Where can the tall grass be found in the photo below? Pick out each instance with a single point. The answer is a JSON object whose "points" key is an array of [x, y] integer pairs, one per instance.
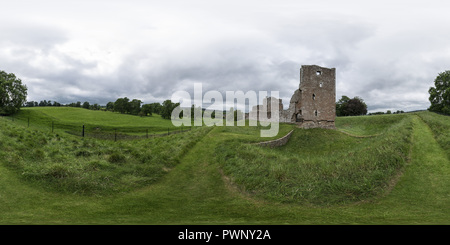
{"points": [[87, 166], [320, 167]]}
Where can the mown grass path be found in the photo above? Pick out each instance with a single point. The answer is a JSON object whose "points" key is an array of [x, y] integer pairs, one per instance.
{"points": [[423, 192]]}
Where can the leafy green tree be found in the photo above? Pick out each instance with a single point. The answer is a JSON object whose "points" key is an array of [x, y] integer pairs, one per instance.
{"points": [[340, 105], [13, 93], [121, 105], [440, 94], [356, 107], [351, 107], [156, 108], [110, 106], [134, 106], [30, 104], [146, 110], [167, 108], [94, 107], [86, 105]]}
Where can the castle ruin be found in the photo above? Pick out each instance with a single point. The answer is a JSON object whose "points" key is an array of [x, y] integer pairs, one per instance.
{"points": [[313, 105]]}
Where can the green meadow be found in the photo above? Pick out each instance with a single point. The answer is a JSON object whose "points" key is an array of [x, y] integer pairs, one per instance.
{"points": [[385, 169], [71, 119]]}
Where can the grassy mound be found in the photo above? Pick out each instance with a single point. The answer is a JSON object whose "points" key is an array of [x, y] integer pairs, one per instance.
{"points": [[322, 167]]}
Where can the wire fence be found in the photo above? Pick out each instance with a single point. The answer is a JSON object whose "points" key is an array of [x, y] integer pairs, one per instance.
{"points": [[100, 132], [117, 134]]}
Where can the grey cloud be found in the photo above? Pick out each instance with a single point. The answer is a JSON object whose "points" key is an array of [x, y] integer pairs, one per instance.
{"points": [[33, 35], [251, 46]]}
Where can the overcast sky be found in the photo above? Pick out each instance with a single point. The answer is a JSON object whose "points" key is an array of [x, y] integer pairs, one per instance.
{"points": [[386, 52]]}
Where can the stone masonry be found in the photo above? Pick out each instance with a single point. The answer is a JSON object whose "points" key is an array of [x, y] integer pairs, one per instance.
{"points": [[313, 105]]}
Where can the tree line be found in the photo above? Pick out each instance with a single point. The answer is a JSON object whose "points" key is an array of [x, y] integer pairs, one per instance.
{"points": [[136, 107]]}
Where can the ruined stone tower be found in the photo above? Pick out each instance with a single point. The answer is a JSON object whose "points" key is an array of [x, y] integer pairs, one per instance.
{"points": [[314, 103]]}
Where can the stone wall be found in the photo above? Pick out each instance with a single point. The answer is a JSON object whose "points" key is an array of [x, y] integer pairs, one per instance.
{"points": [[278, 142]]}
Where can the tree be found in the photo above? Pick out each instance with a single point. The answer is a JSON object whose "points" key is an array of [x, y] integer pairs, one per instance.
{"points": [[134, 106], [110, 106], [356, 107], [86, 105], [30, 104], [156, 107], [167, 108], [440, 94], [340, 105], [13, 93], [351, 107], [121, 105], [94, 107], [146, 110]]}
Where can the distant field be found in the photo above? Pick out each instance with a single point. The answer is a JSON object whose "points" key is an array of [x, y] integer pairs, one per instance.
{"points": [[385, 169], [72, 119]]}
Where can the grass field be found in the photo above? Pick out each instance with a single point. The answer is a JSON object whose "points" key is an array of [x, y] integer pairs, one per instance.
{"points": [[72, 119], [390, 169]]}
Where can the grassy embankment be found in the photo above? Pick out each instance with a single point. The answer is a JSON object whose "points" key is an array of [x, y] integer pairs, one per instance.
{"points": [[398, 175], [323, 167]]}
